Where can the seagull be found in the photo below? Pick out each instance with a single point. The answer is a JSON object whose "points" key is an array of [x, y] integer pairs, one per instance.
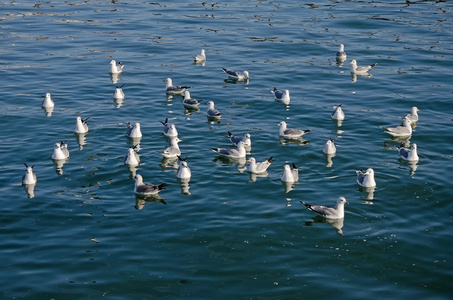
{"points": [[60, 151], [47, 102], [236, 139], [408, 154], [237, 75], [173, 149], [81, 125], [291, 133], [183, 171], [258, 168], [232, 153], [29, 177], [413, 116], [200, 57], [132, 158], [290, 175], [169, 129], [146, 188], [118, 94], [337, 113], [175, 89], [116, 69], [134, 131], [366, 179], [212, 111], [404, 130], [190, 102], [341, 55], [360, 70], [329, 212], [281, 96], [329, 147]]}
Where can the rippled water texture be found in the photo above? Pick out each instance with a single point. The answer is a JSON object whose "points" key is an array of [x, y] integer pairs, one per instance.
{"points": [[81, 233]]}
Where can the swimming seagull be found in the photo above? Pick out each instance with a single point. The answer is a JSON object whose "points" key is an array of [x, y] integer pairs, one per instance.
{"points": [[134, 131], [329, 212], [118, 94], [173, 150], [329, 147], [175, 89], [258, 168], [281, 96], [183, 171], [359, 70], [337, 113], [366, 179], [29, 177], [145, 188], [47, 102], [200, 57], [60, 151], [114, 68], [413, 116], [189, 102], [290, 175], [408, 154], [289, 132], [169, 129], [404, 130], [236, 139], [237, 75], [232, 153], [341, 55], [132, 158], [212, 111], [81, 125]]}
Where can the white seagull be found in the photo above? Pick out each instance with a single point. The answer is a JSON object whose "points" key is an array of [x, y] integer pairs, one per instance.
{"points": [[236, 139], [29, 177], [404, 130], [329, 212], [359, 70], [175, 89], [81, 125], [183, 171], [232, 153], [114, 68], [237, 75], [134, 131], [413, 116], [118, 94], [200, 57], [290, 175], [341, 55], [47, 102], [329, 147], [337, 113], [212, 111], [60, 151], [289, 132], [169, 129], [146, 188], [173, 150], [258, 168], [189, 102], [408, 154], [281, 96], [132, 158], [366, 179]]}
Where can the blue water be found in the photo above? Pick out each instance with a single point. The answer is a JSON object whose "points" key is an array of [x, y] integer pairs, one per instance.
{"points": [[82, 233]]}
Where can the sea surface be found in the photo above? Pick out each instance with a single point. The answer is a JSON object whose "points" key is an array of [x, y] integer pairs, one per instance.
{"points": [[81, 233]]}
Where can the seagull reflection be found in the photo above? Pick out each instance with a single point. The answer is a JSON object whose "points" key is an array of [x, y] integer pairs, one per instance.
{"points": [[59, 165], [329, 161], [338, 122], [235, 81], [81, 139], [289, 186], [115, 77], [369, 193], [140, 200], [48, 111], [401, 141], [254, 176], [298, 141], [30, 189], [231, 161], [184, 184], [336, 223], [132, 171], [118, 102], [411, 164], [171, 162]]}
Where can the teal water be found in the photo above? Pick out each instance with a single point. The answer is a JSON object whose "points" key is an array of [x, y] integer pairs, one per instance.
{"points": [[84, 235]]}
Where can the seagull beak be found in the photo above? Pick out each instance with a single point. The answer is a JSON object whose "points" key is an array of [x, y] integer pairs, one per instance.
{"points": [[347, 202]]}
